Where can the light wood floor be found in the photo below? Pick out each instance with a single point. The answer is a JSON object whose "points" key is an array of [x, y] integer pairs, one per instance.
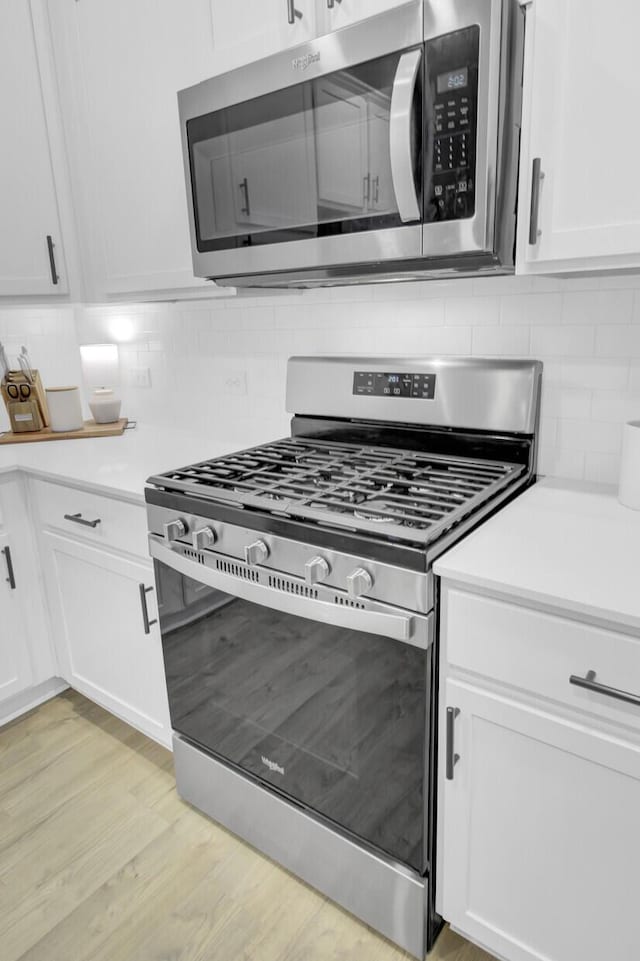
{"points": [[100, 860]]}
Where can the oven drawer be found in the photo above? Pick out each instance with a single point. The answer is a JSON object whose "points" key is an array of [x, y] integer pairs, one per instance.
{"points": [[120, 525], [539, 653]]}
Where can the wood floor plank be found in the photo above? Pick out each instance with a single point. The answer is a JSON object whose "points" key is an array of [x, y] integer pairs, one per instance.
{"points": [[100, 860]]}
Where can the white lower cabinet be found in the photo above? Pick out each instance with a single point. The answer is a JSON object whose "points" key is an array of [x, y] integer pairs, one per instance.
{"points": [[15, 665], [27, 665], [105, 648], [538, 834]]}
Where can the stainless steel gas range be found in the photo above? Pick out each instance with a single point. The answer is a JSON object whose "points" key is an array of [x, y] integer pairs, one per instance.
{"points": [[299, 615]]}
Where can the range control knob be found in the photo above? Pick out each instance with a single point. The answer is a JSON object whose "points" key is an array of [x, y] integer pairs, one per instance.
{"points": [[316, 570], [359, 582], [175, 529], [204, 537], [256, 553]]}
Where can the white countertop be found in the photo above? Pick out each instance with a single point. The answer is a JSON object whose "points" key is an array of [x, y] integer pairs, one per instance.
{"points": [[561, 544], [118, 466]]}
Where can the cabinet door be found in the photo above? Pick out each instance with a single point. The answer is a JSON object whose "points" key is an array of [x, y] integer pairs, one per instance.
{"points": [[381, 197], [333, 14], [540, 836], [582, 89], [103, 650], [15, 664], [121, 65], [273, 172], [247, 31], [28, 206], [344, 180]]}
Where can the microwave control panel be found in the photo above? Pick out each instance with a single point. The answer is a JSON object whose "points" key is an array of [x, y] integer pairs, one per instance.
{"points": [[451, 115]]}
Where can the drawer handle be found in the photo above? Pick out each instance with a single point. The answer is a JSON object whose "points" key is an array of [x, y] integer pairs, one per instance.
{"points": [[590, 684], [79, 519], [145, 610], [11, 579], [452, 757]]}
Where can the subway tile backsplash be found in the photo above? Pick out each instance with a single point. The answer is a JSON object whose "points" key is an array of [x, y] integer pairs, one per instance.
{"points": [[218, 366]]}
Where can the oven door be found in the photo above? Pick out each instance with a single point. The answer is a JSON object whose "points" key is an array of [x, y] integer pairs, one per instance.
{"points": [[333, 717], [312, 157]]}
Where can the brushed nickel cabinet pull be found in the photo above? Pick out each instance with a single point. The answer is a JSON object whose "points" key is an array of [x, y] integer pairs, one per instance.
{"points": [[537, 177], [11, 579], [292, 13], [589, 683], [52, 260], [244, 187], [366, 190], [79, 519], [452, 757], [145, 610], [331, 3]]}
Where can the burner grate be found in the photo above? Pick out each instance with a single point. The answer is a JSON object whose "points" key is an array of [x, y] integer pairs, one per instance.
{"points": [[401, 494]]}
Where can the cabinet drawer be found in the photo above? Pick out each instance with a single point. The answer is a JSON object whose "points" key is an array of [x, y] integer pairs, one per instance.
{"points": [[538, 653], [120, 525]]}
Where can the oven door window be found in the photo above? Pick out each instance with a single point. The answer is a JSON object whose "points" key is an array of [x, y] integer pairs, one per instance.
{"points": [[331, 718], [311, 160]]}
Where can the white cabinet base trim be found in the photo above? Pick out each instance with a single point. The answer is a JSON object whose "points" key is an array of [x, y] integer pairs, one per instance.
{"points": [[25, 701]]}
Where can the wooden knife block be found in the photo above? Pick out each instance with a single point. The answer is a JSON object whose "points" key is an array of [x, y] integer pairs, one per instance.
{"points": [[26, 415]]}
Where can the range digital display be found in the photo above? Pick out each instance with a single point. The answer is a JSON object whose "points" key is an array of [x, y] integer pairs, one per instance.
{"points": [[452, 80], [373, 384]]}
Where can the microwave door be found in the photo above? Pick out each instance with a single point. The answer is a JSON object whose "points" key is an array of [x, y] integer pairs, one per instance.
{"points": [[320, 174]]}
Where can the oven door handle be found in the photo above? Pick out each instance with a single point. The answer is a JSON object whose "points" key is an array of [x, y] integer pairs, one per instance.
{"points": [[396, 626], [400, 120]]}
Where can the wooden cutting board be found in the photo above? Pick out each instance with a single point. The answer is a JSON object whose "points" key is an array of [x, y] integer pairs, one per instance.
{"points": [[90, 429]]}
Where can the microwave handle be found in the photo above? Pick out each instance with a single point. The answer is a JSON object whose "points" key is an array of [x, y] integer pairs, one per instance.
{"points": [[396, 626], [402, 174]]}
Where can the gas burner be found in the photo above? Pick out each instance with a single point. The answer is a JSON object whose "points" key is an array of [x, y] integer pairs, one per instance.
{"points": [[415, 496]]}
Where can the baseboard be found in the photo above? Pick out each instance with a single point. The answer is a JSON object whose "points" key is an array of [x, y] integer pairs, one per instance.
{"points": [[25, 701]]}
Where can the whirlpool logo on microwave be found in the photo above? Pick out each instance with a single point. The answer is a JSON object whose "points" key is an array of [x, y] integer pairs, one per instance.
{"points": [[301, 63], [272, 765]]}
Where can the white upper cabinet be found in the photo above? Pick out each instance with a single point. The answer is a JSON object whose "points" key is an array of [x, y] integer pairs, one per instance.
{"points": [[252, 29], [582, 90], [120, 65], [334, 14], [29, 218]]}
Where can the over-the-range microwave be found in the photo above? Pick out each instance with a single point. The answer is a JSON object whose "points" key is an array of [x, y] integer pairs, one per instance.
{"points": [[386, 150]]}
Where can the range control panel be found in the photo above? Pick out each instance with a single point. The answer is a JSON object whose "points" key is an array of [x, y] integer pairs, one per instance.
{"points": [[373, 384], [452, 64]]}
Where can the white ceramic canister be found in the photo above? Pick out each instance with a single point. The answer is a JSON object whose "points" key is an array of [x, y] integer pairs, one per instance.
{"points": [[65, 409], [629, 488], [105, 406]]}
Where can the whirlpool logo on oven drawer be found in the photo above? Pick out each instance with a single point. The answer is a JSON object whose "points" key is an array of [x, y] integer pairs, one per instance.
{"points": [[301, 63], [272, 765]]}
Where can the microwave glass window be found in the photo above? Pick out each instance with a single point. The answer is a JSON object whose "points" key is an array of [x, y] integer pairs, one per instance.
{"points": [[311, 160], [451, 105]]}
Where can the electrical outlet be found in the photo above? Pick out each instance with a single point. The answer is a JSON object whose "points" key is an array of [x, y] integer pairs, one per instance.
{"points": [[139, 377], [235, 383]]}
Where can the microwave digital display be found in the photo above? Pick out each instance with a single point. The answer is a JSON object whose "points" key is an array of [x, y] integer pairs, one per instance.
{"points": [[452, 80]]}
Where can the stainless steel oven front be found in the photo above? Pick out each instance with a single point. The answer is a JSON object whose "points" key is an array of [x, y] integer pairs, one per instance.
{"points": [[389, 147], [317, 697]]}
